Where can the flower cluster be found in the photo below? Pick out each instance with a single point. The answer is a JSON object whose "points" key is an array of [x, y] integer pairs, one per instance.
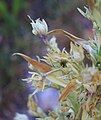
{"points": [[78, 84]]}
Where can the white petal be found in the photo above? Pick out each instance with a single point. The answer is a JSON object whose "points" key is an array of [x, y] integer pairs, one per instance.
{"points": [[34, 32], [45, 24], [39, 27]]}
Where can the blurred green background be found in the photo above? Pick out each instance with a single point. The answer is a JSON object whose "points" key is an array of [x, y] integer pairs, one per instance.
{"points": [[16, 36]]}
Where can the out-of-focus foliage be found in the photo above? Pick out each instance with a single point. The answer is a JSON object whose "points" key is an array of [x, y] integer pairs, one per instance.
{"points": [[10, 35], [9, 29], [78, 84], [10, 15]]}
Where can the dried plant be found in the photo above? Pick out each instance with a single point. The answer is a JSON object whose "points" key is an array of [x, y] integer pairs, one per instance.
{"points": [[78, 84]]}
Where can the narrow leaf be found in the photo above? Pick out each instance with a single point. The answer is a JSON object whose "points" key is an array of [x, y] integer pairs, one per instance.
{"points": [[44, 68], [69, 88], [41, 67]]}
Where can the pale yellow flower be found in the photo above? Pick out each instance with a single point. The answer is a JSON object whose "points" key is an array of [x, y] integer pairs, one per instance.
{"points": [[39, 27]]}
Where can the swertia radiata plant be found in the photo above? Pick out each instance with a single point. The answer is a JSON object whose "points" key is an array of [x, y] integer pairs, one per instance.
{"points": [[79, 85]]}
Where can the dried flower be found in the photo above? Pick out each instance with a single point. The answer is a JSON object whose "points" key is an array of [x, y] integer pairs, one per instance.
{"points": [[93, 12], [39, 27], [52, 45], [77, 52]]}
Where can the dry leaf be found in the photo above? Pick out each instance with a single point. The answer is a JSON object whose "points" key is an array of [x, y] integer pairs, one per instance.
{"points": [[41, 67], [79, 41], [67, 34], [44, 68], [69, 88]]}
